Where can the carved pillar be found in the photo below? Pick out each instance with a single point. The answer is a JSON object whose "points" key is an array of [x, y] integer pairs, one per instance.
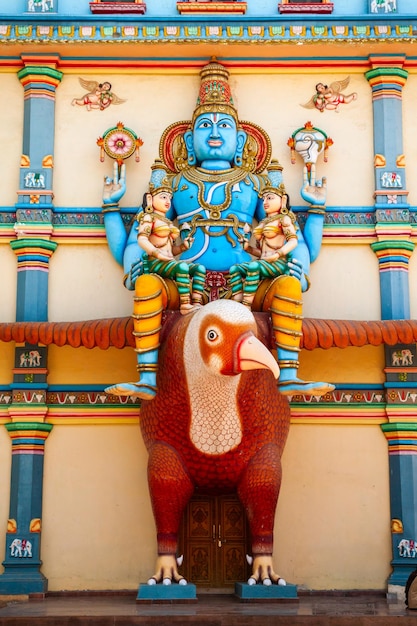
{"points": [[33, 227], [28, 432], [22, 562], [33, 254], [393, 250], [33, 248]]}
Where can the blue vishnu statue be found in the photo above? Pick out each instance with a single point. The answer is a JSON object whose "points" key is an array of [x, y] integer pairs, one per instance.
{"points": [[217, 169]]}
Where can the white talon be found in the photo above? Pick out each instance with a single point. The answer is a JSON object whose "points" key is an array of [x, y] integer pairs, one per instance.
{"points": [[182, 581], [166, 581], [249, 559], [282, 582], [152, 581], [267, 582], [251, 581], [180, 560]]}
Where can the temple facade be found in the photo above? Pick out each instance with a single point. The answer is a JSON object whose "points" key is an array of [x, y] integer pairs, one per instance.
{"points": [[83, 81]]}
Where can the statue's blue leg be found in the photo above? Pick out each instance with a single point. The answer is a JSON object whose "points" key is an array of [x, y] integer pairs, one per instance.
{"points": [[289, 384], [147, 318], [287, 319]]}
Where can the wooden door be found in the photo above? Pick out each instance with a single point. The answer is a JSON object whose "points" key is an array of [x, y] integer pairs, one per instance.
{"points": [[214, 541]]}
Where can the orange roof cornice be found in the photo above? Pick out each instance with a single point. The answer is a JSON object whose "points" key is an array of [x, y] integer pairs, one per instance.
{"points": [[117, 332]]}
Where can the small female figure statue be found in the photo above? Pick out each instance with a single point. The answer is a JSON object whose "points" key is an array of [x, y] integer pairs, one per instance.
{"points": [[276, 237], [156, 236]]}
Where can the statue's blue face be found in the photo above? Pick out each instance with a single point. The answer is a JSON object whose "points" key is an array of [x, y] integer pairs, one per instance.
{"points": [[215, 137]]}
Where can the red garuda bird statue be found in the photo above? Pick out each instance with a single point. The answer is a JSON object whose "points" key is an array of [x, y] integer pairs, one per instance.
{"points": [[217, 424]]}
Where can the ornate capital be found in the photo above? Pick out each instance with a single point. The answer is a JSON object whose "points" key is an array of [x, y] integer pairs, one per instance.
{"points": [[393, 254], [33, 253], [401, 437], [387, 81], [28, 437]]}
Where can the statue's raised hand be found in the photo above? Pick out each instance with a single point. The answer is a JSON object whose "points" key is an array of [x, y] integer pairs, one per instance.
{"points": [[188, 242], [136, 269], [312, 191], [295, 268], [114, 188]]}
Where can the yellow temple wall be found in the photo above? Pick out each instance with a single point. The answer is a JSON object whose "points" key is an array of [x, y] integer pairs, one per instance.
{"points": [[410, 124], [333, 511], [5, 471], [273, 101], [78, 172], [8, 264], [412, 272], [85, 282], [11, 134], [98, 528]]}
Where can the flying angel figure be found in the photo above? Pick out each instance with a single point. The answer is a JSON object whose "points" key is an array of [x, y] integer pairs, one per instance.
{"points": [[329, 96], [99, 95]]}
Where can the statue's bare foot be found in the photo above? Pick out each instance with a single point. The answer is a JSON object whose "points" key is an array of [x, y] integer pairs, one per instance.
{"points": [[304, 387], [263, 571], [189, 308], [167, 571], [140, 390]]}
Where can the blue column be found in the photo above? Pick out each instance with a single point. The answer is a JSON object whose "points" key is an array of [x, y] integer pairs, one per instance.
{"points": [[33, 227], [22, 562], [402, 445], [393, 249], [33, 247]]}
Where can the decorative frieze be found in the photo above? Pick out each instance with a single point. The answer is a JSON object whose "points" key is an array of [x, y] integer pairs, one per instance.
{"points": [[282, 31]]}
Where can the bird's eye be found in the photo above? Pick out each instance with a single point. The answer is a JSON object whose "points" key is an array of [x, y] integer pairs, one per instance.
{"points": [[212, 335]]}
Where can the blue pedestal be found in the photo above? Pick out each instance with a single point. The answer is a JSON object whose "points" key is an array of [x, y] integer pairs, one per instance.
{"points": [[271, 593], [167, 593], [22, 581]]}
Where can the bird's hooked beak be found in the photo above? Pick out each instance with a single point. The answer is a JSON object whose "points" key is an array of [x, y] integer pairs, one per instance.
{"points": [[251, 354]]}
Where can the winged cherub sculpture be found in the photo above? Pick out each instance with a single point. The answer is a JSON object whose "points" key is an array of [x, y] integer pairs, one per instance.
{"points": [[329, 97], [98, 96]]}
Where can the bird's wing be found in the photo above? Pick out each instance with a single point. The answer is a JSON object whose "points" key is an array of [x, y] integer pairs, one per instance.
{"points": [[338, 85], [311, 104], [116, 100], [89, 85]]}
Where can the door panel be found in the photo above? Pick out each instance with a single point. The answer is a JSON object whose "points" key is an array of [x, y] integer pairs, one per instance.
{"points": [[214, 540], [232, 531], [199, 546]]}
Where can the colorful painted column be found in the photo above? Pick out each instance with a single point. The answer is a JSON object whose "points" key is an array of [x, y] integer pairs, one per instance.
{"points": [[393, 249], [33, 247], [28, 432], [33, 227]]}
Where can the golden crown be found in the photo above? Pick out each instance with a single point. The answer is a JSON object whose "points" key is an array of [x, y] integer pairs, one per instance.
{"points": [[215, 95]]}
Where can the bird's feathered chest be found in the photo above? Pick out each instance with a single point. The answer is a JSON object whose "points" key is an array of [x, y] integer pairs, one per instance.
{"points": [[215, 425], [200, 414]]}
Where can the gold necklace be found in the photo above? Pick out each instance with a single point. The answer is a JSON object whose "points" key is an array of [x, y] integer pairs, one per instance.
{"points": [[230, 177]]}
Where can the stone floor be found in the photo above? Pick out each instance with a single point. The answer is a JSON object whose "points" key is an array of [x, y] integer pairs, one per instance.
{"points": [[367, 609]]}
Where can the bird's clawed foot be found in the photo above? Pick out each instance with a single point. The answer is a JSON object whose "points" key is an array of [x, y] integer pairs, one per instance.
{"points": [[167, 571], [263, 571]]}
